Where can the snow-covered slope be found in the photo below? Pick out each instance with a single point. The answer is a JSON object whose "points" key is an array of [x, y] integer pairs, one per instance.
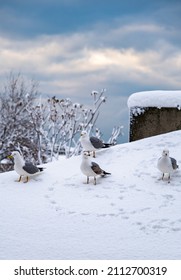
{"points": [[128, 215]]}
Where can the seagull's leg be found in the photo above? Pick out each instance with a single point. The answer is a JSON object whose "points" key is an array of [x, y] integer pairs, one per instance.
{"points": [[27, 179], [87, 180], [163, 176], [169, 178], [19, 179], [94, 154], [94, 180]]}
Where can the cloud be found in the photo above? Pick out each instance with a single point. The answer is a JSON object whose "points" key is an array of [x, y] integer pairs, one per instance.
{"points": [[70, 61]]}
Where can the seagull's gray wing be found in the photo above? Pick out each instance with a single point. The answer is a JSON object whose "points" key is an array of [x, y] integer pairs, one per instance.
{"points": [[96, 142], [174, 163], [96, 168], [30, 168]]}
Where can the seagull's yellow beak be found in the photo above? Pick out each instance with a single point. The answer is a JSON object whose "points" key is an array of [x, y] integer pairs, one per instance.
{"points": [[10, 156]]}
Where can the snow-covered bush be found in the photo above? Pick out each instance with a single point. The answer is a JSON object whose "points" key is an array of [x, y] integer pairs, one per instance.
{"points": [[65, 120], [17, 99], [42, 129]]}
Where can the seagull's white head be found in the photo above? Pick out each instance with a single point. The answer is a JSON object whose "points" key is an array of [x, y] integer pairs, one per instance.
{"points": [[18, 158], [85, 155], [165, 153], [83, 134], [15, 154]]}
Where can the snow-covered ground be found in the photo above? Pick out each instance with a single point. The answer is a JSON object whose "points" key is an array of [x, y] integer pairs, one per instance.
{"points": [[128, 215]]}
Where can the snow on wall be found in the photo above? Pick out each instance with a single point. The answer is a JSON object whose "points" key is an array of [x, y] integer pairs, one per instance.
{"points": [[157, 98]]}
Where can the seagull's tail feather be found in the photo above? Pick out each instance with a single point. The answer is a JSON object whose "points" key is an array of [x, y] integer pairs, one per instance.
{"points": [[41, 169], [104, 173], [174, 163], [107, 145]]}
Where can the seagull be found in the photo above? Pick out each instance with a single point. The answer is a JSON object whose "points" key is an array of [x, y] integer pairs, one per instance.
{"points": [[23, 168], [92, 144], [167, 164], [91, 169]]}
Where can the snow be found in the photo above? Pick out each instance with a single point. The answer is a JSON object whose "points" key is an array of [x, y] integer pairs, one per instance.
{"points": [[131, 214], [157, 98]]}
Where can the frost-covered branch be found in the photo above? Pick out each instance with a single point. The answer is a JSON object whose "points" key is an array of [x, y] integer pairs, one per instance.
{"points": [[45, 128]]}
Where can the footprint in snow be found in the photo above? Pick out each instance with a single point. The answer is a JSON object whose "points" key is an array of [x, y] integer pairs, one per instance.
{"points": [[122, 191], [113, 215], [132, 186], [101, 215], [112, 204], [145, 209], [137, 175], [169, 197], [53, 202], [138, 223], [71, 212], [125, 217], [176, 229], [139, 190], [85, 214], [57, 208]]}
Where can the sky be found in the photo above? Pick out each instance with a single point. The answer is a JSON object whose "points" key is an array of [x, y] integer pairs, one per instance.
{"points": [[72, 47]]}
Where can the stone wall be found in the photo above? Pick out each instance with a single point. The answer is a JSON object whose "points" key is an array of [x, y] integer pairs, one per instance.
{"points": [[150, 121]]}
